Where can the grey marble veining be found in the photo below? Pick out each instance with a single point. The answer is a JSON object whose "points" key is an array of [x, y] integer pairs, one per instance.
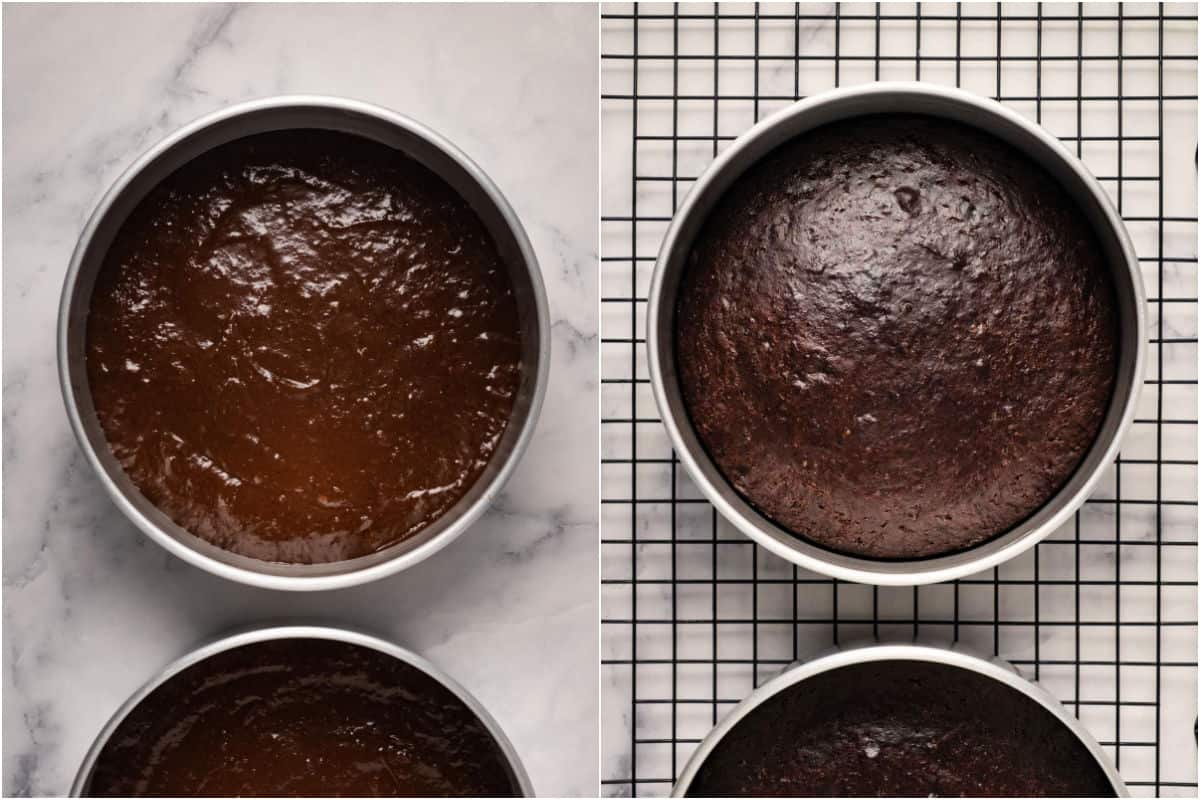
{"points": [[92, 608]]}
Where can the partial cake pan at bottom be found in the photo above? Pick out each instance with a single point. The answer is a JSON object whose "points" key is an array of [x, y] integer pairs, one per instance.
{"points": [[880, 720]]}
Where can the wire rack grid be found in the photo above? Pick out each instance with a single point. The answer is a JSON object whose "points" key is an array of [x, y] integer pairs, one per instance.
{"points": [[1103, 613]]}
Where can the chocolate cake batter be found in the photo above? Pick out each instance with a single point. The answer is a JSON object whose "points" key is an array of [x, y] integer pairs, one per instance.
{"points": [[301, 718], [897, 336], [303, 346], [900, 728]]}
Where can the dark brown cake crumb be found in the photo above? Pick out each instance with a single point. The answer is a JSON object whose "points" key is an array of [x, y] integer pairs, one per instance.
{"points": [[897, 336]]}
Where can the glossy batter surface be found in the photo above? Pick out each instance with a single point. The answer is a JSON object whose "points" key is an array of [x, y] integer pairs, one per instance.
{"points": [[303, 346], [901, 729], [896, 336], [301, 718]]}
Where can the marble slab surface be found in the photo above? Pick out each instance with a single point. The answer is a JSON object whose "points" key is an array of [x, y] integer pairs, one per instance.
{"points": [[91, 607]]}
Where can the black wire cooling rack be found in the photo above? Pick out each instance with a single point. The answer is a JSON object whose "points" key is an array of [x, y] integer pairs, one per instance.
{"points": [[1103, 613]]}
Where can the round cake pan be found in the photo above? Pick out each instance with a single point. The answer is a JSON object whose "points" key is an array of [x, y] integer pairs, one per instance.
{"points": [[882, 98], [79, 786], [281, 113], [995, 669]]}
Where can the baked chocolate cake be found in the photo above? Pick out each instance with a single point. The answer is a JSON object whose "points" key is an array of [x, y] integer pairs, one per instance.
{"points": [[901, 729], [897, 336]]}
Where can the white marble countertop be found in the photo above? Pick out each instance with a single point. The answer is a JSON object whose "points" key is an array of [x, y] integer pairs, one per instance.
{"points": [[92, 608]]}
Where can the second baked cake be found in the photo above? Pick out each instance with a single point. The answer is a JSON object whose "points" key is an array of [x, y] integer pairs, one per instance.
{"points": [[897, 336], [900, 729]]}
